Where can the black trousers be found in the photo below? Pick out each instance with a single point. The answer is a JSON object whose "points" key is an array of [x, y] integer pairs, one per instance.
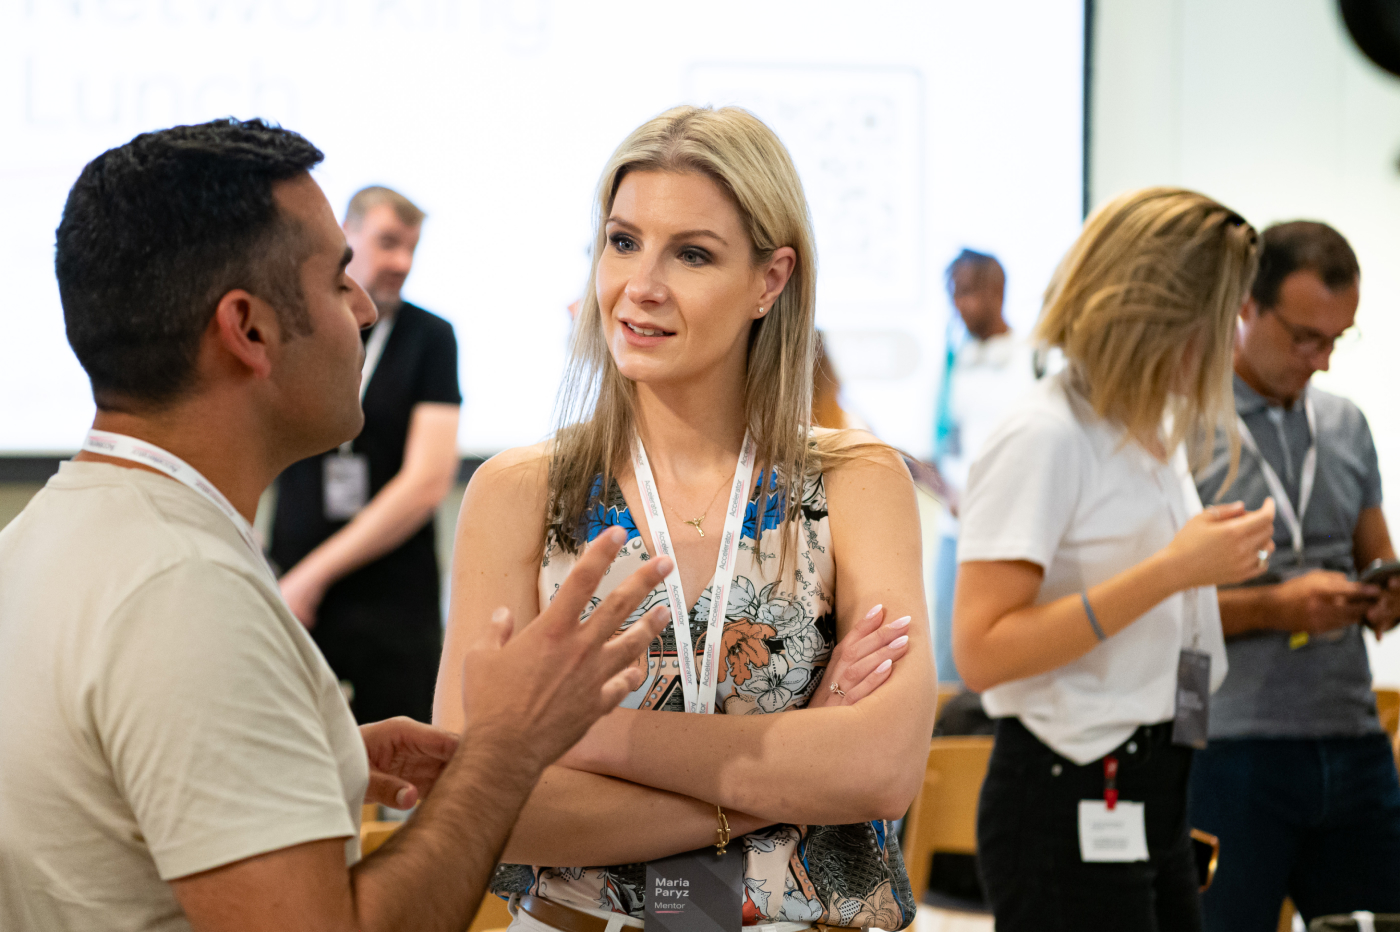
{"points": [[1028, 838], [388, 654]]}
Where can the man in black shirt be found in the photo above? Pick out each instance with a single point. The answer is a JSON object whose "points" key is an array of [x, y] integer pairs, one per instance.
{"points": [[354, 527]]}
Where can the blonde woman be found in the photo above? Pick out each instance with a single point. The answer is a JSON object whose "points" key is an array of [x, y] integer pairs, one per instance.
{"points": [[686, 421], [1086, 610]]}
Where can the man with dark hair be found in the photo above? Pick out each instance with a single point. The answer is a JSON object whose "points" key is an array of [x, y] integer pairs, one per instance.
{"points": [[1299, 780], [176, 752], [353, 528], [986, 369]]}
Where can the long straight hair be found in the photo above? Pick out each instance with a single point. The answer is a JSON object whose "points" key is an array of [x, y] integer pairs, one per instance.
{"points": [[596, 413], [1144, 307]]}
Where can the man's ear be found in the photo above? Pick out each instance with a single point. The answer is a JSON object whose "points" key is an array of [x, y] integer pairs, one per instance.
{"points": [[246, 329]]}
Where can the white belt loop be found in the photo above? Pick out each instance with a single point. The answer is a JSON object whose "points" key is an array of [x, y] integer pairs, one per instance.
{"points": [[618, 921]]}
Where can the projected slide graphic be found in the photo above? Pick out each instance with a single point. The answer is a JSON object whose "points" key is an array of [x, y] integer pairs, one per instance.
{"points": [[496, 116]]}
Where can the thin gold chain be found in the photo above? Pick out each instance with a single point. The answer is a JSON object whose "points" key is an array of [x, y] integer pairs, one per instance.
{"points": [[697, 522]]}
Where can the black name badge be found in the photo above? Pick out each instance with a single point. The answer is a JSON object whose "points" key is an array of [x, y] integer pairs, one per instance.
{"points": [[698, 891], [1192, 699]]}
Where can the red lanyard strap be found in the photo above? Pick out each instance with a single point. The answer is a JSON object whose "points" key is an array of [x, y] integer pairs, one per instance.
{"points": [[1110, 782]]}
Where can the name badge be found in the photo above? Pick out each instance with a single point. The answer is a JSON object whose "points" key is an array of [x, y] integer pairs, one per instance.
{"points": [[1111, 835], [698, 891], [344, 485], [1190, 725]]}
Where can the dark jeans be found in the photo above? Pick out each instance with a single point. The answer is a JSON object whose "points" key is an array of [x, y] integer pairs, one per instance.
{"points": [[1314, 819], [1028, 838]]}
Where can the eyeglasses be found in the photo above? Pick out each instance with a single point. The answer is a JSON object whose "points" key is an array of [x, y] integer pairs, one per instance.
{"points": [[1311, 342]]}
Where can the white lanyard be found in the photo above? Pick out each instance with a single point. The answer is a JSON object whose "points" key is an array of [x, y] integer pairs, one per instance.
{"points": [[699, 697], [1175, 467], [122, 447], [374, 349], [1292, 519]]}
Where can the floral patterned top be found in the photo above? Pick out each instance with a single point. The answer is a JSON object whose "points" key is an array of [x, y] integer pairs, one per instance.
{"points": [[776, 645]]}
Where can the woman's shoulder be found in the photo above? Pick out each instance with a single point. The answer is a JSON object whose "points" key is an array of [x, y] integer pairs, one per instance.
{"points": [[1047, 415], [516, 460], [851, 447], [519, 475], [856, 463]]}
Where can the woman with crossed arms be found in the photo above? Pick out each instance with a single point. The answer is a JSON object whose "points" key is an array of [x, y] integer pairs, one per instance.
{"points": [[687, 422], [1086, 609]]}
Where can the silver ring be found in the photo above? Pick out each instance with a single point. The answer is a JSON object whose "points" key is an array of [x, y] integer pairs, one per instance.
{"points": [[1263, 558], [834, 687]]}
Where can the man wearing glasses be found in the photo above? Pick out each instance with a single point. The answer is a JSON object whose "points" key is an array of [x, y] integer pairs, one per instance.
{"points": [[1298, 780]]}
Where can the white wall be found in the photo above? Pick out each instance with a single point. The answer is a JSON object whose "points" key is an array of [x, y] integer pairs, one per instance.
{"points": [[1267, 106]]}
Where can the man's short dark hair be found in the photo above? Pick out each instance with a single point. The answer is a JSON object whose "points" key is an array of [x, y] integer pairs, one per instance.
{"points": [[980, 263], [156, 232], [1302, 245]]}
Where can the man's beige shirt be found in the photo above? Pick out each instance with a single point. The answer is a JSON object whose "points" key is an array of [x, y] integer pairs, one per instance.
{"points": [[163, 711]]}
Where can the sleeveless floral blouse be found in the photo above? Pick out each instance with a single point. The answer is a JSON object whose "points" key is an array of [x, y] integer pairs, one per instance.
{"points": [[776, 645]]}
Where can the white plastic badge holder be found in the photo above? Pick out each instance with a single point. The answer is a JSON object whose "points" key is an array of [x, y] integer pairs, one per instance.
{"points": [[1111, 835], [344, 485]]}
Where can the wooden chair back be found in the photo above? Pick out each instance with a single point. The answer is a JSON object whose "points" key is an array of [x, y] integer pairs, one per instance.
{"points": [[944, 816], [1388, 710], [374, 834]]}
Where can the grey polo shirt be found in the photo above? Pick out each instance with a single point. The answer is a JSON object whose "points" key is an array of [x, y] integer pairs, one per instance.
{"points": [[1322, 689]]}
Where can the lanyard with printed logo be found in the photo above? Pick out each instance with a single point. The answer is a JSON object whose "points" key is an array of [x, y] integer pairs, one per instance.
{"points": [[122, 447], [1293, 520], [697, 687], [1191, 707]]}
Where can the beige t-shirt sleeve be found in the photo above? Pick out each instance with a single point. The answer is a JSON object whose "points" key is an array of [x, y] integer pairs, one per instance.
{"points": [[211, 718]]}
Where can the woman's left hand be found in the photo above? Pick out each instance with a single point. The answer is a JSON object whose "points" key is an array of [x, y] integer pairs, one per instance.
{"points": [[862, 660]]}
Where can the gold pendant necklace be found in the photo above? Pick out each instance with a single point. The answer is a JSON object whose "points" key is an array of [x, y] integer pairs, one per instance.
{"points": [[696, 522]]}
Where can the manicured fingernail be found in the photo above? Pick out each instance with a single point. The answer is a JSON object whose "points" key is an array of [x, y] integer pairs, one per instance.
{"points": [[899, 642], [663, 565], [898, 623], [873, 612], [401, 798], [617, 535], [884, 666], [500, 614]]}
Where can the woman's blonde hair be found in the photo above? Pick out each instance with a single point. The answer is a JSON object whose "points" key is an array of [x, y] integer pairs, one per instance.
{"points": [[1144, 306], [596, 413]]}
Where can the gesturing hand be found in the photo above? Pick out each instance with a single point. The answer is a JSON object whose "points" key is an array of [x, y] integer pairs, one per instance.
{"points": [[405, 759], [1221, 545], [536, 693], [862, 660]]}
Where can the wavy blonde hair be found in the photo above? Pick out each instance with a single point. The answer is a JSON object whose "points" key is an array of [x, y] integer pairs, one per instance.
{"points": [[596, 413], [1147, 297]]}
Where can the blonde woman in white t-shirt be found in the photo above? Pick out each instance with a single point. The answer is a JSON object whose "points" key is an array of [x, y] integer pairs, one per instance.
{"points": [[1085, 597]]}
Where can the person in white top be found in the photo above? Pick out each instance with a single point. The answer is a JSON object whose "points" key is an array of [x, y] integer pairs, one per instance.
{"points": [[985, 375], [1086, 610], [176, 752]]}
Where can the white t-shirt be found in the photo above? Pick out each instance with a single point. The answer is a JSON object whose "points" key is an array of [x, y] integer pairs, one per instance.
{"points": [[1059, 487], [990, 377], [165, 713]]}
